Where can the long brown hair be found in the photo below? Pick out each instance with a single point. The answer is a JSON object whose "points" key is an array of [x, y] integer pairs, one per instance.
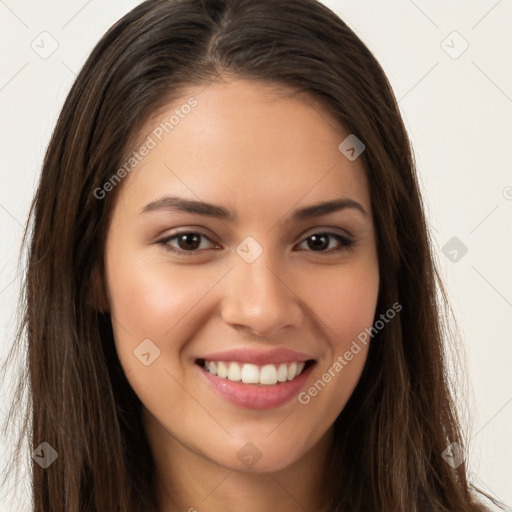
{"points": [[390, 437]]}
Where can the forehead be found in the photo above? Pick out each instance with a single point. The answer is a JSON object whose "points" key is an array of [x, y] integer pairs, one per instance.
{"points": [[245, 145]]}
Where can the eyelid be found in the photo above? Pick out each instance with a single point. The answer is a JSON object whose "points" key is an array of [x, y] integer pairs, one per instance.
{"points": [[327, 231]]}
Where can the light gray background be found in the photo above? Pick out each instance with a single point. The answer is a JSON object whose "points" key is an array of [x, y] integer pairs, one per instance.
{"points": [[457, 109]]}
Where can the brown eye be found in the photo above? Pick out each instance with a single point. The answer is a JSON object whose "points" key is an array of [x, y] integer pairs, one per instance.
{"points": [[189, 241], [186, 242], [321, 242], [318, 242]]}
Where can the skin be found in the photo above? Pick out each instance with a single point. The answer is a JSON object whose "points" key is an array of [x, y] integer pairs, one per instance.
{"points": [[262, 155]]}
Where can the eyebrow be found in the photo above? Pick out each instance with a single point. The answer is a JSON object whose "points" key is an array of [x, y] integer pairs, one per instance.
{"points": [[219, 212]]}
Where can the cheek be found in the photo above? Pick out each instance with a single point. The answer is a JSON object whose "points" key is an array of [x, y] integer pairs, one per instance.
{"points": [[143, 300], [344, 300], [152, 299]]}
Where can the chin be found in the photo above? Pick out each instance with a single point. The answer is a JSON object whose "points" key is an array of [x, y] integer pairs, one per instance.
{"points": [[260, 456]]}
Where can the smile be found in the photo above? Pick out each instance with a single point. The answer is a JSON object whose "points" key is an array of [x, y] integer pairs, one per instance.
{"points": [[258, 384], [247, 373]]}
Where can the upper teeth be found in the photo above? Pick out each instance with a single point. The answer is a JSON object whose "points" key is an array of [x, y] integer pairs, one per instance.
{"points": [[268, 374]]}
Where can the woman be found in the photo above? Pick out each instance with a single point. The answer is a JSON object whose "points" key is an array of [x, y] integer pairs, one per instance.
{"points": [[231, 301]]}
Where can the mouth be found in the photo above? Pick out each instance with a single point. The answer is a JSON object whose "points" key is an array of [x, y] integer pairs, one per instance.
{"points": [[248, 373], [255, 386]]}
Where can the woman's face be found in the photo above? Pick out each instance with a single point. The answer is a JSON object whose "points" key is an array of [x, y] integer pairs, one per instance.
{"points": [[217, 264]]}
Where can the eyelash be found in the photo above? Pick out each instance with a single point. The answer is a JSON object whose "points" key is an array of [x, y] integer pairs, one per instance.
{"points": [[345, 243]]}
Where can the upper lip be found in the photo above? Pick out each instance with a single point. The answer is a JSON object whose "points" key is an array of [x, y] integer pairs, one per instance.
{"points": [[258, 357]]}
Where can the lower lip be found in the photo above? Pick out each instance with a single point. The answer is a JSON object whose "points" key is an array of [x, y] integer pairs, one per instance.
{"points": [[255, 396]]}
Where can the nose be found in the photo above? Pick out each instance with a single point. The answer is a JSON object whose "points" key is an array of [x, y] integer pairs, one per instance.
{"points": [[260, 299]]}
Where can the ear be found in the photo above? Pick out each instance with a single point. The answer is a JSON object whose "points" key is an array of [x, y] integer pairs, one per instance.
{"points": [[98, 297]]}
